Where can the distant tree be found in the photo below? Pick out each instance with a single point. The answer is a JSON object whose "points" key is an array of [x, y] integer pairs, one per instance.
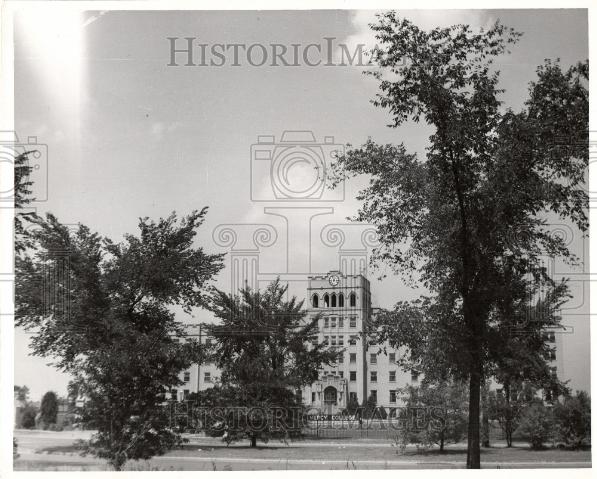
{"points": [[49, 409], [109, 321], [28, 417], [21, 394], [266, 350], [437, 414], [352, 406], [536, 425], [506, 407], [572, 418], [22, 198]]}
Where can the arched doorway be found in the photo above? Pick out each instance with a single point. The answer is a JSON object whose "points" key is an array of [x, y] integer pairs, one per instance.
{"points": [[330, 399]]}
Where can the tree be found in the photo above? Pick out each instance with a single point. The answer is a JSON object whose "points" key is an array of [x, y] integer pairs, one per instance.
{"points": [[352, 406], [21, 393], [453, 220], [49, 409], [108, 320], [444, 412], [266, 350], [23, 198], [28, 417], [507, 406], [536, 425], [573, 419]]}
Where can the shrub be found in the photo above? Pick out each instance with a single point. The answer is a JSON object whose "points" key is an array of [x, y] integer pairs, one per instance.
{"points": [[536, 425], [28, 418], [49, 408], [573, 420]]}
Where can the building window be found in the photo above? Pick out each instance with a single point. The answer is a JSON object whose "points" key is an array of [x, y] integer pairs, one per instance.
{"points": [[333, 340], [552, 354], [353, 340], [312, 397], [340, 340], [341, 359], [373, 376], [551, 337], [353, 321], [414, 376], [340, 322], [352, 396], [326, 322], [326, 340], [353, 300], [315, 301], [353, 357], [341, 300], [392, 396], [392, 358], [333, 321], [374, 395], [207, 377], [373, 358], [333, 300], [326, 300], [187, 376], [392, 376], [174, 394], [353, 375], [185, 393], [341, 374]]}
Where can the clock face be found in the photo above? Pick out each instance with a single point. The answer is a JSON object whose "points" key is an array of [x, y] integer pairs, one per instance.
{"points": [[334, 280]]}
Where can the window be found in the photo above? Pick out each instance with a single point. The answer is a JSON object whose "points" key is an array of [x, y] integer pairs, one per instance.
{"points": [[185, 393], [554, 371], [392, 396], [353, 357], [352, 396], [414, 376], [341, 359], [353, 321], [353, 375], [333, 340], [326, 323], [374, 394], [315, 301], [340, 322], [333, 300], [326, 340], [207, 377], [333, 321], [373, 376], [340, 340], [353, 300], [392, 358], [552, 354], [341, 300], [312, 397], [352, 341], [187, 376], [373, 358], [326, 300], [341, 374], [551, 337], [174, 394], [392, 376]]}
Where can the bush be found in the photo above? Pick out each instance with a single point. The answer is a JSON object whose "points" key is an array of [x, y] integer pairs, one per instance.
{"points": [[536, 425], [15, 447], [28, 418], [573, 420], [49, 408]]}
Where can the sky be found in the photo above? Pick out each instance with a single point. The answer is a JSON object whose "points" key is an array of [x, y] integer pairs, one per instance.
{"points": [[129, 136]]}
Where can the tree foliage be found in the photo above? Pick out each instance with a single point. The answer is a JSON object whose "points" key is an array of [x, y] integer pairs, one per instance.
{"points": [[266, 350], [103, 312], [49, 409], [471, 218], [536, 425], [572, 419]]}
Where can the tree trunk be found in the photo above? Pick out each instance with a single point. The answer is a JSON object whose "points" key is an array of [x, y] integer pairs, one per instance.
{"points": [[473, 456], [441, 442], [253, 441], [508, 427], [485, 416]]}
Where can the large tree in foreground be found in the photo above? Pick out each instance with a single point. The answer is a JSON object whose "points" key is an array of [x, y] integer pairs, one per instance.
{"points": [[103, 312], [474, 206], [267, 351]]}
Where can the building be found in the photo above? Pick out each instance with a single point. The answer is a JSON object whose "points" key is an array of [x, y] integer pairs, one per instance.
{"points": [[365, 369], [344, 305]]}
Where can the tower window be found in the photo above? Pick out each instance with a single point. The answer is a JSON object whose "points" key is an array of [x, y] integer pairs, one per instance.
{"points": [[353, 300], [333, 300], [326, 300], [341, 300], [315, 301]]}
